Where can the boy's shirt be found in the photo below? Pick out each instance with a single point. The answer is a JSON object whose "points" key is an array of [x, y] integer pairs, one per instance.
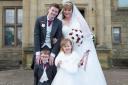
{"points": [[44, 76]]}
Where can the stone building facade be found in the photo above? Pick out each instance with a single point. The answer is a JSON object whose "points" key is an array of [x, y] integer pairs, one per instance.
{"points": [[119, 23], [18, 17]]}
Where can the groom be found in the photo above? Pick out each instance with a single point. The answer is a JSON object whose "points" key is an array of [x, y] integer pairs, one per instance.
{"points": [[47, 33]]}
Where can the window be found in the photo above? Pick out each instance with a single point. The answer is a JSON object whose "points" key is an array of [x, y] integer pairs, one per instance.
{"points": [[116, 35], [123, 3], [13, 20]]}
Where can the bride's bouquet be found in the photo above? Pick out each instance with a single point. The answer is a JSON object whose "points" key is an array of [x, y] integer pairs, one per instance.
{"points": [[76, 36]]}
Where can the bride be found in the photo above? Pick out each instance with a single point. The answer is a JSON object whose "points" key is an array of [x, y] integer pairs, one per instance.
{"points": [[76, 28]]}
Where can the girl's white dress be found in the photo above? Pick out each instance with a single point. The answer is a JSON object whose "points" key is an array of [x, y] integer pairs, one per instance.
{"points": [[93, 74], [68, 72]]}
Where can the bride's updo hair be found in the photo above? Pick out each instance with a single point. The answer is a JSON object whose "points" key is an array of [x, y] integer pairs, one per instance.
{"points": [[67, 5]]}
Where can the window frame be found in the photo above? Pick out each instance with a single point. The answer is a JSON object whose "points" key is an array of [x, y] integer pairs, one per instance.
{"points": [[116, 43], [15, 25]]}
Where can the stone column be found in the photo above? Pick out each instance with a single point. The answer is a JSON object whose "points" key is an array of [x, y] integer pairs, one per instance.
{"points": [[100, 22], [107, 10], [33, 16], [1, 26], [30, 14], [26, 30], [26, 22], [92, 16]]}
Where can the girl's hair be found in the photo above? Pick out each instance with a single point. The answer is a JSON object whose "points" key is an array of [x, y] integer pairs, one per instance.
{"points": [[64, 41], [69, 5]]}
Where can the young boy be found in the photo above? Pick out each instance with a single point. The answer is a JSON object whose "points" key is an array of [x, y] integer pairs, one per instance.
{"points": [[44, 74]]}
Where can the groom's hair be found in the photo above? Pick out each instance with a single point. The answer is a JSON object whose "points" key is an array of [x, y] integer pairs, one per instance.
{"points": [[55, 5]]}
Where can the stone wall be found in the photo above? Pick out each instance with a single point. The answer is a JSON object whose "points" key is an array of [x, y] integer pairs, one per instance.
{"points": [[120, 19]]}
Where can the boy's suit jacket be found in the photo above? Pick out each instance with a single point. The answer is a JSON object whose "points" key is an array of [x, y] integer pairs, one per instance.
{"points": [[50, 71]]}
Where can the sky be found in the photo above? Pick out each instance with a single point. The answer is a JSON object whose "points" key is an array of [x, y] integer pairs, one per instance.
{"points": [[123, 3]]}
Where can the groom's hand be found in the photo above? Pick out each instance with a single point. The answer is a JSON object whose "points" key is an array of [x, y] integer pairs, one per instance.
{"points": [[51, 60], [37, 59]]}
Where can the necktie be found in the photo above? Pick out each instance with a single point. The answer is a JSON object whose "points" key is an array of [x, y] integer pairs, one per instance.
{"points": [[49, 22], [45, 65]]}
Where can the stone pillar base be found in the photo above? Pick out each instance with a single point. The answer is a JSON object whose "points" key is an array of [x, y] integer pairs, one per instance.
{"points": [[27, 57]]}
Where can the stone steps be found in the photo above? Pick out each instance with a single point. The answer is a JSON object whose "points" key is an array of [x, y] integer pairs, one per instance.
{"points": [[10, 59], [9, 64], [120, 58]]}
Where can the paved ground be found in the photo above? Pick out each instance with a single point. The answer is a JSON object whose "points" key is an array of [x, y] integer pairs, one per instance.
{"points": [[116, 76], [25, 77]]}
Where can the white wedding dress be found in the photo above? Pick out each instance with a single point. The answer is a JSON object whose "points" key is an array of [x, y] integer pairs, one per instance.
{"points": [[93, 72], [69, 74]]}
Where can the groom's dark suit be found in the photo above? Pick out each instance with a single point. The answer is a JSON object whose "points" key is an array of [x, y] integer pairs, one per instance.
{"points": [[40, 32]]}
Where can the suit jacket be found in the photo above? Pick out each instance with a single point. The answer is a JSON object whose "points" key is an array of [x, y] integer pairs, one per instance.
{"points": [[39, 70], [40, 34]]}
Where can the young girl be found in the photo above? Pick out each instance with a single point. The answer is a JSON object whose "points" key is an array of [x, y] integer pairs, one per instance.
{"points": [[68, 63]]}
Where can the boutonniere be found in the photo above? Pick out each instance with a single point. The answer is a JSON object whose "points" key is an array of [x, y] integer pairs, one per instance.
{"points": [[43, 25]]}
